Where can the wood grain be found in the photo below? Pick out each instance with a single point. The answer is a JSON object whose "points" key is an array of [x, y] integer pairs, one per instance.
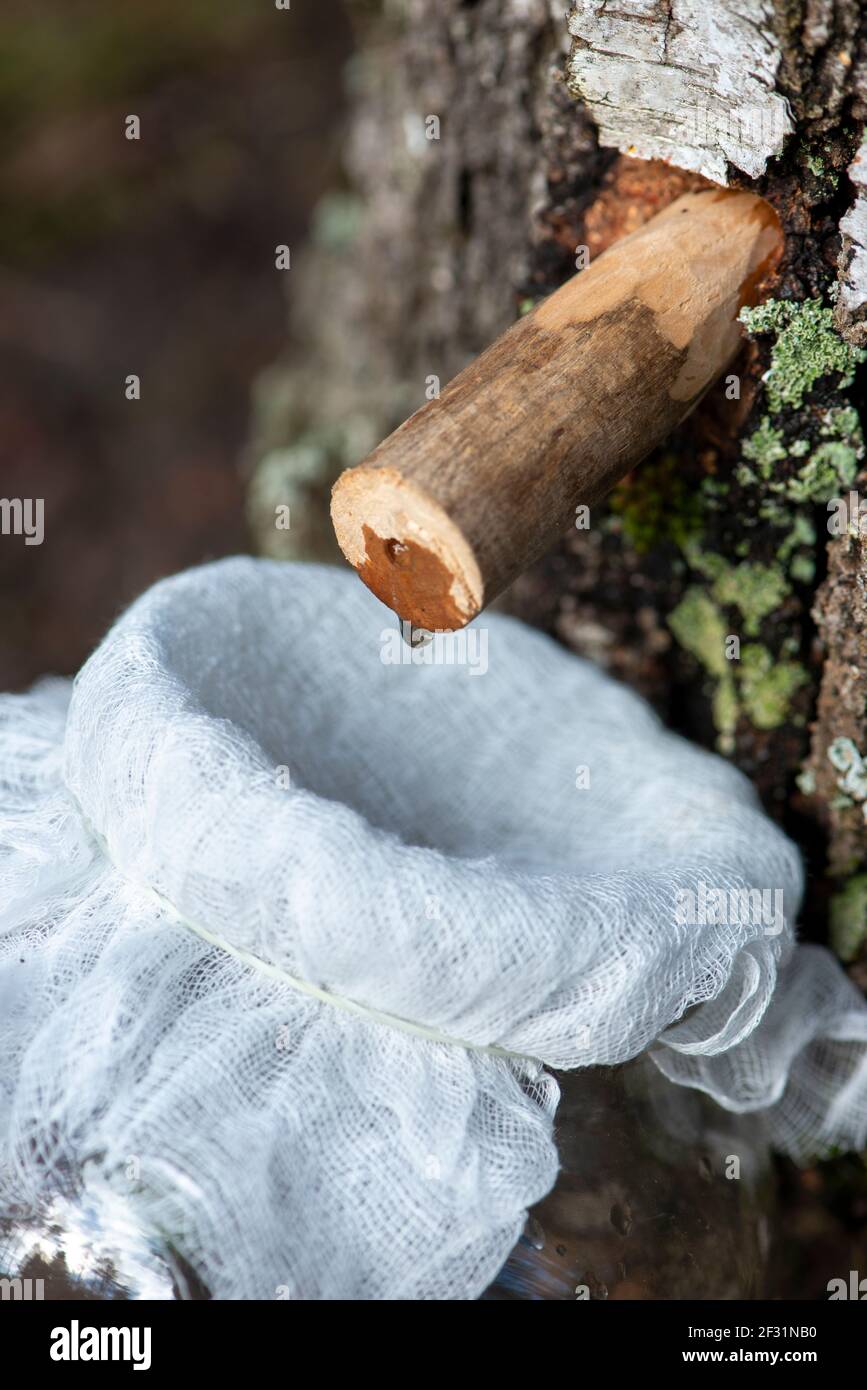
{"points": [[476, 485]]}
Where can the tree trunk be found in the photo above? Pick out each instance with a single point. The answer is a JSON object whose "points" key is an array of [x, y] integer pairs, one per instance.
{"points": [[487, 141]]}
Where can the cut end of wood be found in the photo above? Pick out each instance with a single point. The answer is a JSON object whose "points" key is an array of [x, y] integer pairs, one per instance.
{"points": [[406, 549], [473, 488]]}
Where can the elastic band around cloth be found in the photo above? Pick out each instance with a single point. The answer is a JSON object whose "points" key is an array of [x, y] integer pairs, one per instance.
{"points": [[337, 1001]]}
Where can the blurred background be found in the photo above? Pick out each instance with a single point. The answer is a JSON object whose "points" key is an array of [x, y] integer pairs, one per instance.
{"points": [[153, 257]]}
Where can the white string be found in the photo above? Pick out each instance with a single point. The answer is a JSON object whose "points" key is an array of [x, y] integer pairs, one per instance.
{"points": [[339, 1001], [275, 972]]}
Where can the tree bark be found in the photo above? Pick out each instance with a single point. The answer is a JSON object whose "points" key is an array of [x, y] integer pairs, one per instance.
{"points": [[555, 136]]}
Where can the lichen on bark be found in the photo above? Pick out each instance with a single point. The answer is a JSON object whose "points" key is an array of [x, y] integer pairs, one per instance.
{"points": [[435, 245], [431, 249]]}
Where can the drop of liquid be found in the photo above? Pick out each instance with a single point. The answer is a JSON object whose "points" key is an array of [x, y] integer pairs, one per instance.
{"points": [[414, 636]]}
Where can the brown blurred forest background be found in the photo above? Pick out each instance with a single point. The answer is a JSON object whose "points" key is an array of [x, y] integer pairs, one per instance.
{"points": [[154, 257]]}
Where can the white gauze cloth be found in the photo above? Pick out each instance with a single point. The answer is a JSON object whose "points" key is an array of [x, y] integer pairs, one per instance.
{"points": [[437, 857]]}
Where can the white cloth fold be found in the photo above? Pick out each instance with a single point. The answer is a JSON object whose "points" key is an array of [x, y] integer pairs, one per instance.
{"points": [[518, 856]]}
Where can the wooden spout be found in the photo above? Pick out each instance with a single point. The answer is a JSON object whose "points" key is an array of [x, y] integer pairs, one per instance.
{"points": [[476, 485]]}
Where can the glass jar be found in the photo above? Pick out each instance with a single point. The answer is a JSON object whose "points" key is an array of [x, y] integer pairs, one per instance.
{"points": [[661, 1195]]}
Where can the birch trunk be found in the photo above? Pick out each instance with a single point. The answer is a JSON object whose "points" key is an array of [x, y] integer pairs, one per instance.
{"points": [[488, 141]]}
